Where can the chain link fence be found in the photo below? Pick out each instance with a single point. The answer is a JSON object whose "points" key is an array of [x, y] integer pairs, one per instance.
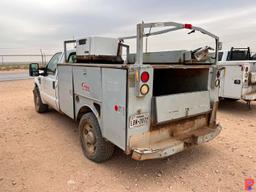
{"points": [[22, 59]]}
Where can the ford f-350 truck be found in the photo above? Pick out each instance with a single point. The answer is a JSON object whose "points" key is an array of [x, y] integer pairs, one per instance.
{"points": [[150, 105]]}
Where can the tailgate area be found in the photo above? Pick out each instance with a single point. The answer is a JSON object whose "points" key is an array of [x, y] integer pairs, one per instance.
{"points": [[177, 106], [172, 146], [180, 116], [180, 93], [168, 139]]}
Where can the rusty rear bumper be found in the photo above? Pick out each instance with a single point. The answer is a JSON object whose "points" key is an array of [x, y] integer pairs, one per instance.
{"points": [[250, 96], [174, 145]]}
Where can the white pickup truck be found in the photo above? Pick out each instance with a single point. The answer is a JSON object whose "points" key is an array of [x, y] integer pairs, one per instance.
{"points": [[238, 77], [150, 105]]}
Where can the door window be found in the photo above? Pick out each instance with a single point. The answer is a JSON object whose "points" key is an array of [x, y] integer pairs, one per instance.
{"points": [[238, 55], [52, 65]]}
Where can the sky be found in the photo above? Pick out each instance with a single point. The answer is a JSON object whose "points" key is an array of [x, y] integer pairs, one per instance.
{"points": [[26, 26]]}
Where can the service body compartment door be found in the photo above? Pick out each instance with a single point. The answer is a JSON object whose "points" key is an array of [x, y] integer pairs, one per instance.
{"points": [[87, 82], [114, 88], [181, 105], [65, 85], [233, 82]]}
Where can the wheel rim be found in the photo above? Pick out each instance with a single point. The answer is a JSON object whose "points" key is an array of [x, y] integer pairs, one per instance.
{"points": [[89, 139]]}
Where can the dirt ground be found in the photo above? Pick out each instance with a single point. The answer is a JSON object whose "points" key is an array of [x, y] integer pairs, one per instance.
{"points": [[11, 68], [41, 152], [13, 71]]}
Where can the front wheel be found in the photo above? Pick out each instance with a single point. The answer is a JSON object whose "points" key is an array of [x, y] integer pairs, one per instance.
{"points": [[39, 106], [94, 146], [231, 99]]}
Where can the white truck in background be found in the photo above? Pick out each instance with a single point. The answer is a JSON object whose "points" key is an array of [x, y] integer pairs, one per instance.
{"points": [[238, 74], [150, 105]]}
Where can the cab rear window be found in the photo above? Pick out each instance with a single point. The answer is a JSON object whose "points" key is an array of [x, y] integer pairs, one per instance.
{"points": [[238, 55]]}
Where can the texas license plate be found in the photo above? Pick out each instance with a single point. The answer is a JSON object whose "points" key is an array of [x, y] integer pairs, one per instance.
{"points": [[139, 120]]}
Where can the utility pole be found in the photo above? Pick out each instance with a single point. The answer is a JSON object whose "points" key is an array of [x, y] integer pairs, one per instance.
{"points": [[42, 56]]}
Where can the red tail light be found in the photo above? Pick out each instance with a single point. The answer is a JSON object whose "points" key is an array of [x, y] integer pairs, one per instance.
{"points": [[188, 26], [144, 76]]}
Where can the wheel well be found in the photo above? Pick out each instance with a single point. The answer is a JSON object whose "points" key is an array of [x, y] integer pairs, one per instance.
{"points": [[82, 111], [97, 107], [36, 89]]}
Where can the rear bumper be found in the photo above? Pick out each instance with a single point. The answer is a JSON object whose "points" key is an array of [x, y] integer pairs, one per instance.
{"points": [[174, 145], [250, 96]]}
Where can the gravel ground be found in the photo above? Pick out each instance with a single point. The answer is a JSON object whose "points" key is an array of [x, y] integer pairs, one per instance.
{"points": [[41, 152]]}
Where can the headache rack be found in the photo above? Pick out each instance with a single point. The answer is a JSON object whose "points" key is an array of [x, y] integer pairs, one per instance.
{"points": [[236, 54]]}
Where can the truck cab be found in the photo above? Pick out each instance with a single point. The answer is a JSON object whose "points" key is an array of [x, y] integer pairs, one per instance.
{"points": [[238, 77], [149, 104], [47, 82]]}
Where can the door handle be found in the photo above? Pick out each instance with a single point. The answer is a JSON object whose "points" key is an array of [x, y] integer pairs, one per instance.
{"points": [[53, 84], [237, 81]]}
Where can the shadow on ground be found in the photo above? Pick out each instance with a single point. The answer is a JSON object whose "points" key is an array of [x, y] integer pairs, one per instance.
{"points": [[236, 107]]}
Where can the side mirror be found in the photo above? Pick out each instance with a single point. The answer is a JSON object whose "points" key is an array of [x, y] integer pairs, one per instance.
{"points": [[33, 69]]}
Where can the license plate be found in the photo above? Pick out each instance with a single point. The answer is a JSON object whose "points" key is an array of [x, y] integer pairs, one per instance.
{"points": [[139, 120]]}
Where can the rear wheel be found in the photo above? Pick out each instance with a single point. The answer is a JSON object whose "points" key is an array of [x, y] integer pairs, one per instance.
{"points": [[39, 106], [94, 146], [231, 99]]}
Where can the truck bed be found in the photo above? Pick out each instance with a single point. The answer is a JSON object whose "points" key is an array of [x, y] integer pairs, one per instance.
{"points": [[155, 66]]}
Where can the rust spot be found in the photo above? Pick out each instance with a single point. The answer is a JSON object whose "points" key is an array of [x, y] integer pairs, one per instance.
{"points": [[167, 131]]}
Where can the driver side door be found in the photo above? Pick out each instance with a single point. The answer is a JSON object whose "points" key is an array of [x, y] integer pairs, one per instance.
{"points": [[48, 91]]}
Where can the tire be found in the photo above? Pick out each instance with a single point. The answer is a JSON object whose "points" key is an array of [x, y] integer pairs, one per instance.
{"points": [[231, 99], [39, 106], [94, 146]]}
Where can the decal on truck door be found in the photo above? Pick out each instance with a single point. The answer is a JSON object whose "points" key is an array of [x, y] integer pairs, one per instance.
{"points": [[85, 86]]}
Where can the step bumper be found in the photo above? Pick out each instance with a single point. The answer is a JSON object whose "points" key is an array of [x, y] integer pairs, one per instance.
{"points": [[172, 146]]}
